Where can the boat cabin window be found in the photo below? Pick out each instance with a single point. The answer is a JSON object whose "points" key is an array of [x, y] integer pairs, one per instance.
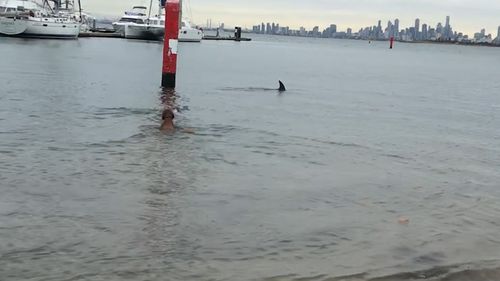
{"points": [[2, 9], [139, 21], [11, 10]]}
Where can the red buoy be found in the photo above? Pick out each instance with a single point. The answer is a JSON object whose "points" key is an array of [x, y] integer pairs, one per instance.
{"points": [[172, 20], [392, 42]]}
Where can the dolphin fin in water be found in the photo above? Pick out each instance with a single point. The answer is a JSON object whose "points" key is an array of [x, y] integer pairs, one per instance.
{"points": [[282, 87]]}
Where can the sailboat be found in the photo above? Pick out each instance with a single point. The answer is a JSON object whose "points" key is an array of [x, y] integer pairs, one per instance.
{"points": [[137, 25], [27, 18]]}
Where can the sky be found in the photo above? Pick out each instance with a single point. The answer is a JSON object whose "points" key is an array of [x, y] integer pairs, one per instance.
{"points": [[468, 16]]}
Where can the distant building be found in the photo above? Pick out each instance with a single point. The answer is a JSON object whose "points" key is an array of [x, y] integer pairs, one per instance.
{"points": [[389, 30], [315, 31], [416, 35], [333, 28], [447, 32], [498, 36], [302, 31], [431, 34], [268, 28], [479, 36], [378, 33], [425, 33], [439, 31], [396, 28], [330, 31], [411, 33], [262, 28]]}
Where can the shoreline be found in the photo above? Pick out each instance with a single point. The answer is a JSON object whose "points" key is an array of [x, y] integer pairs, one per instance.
{"points": [[496, 45]]}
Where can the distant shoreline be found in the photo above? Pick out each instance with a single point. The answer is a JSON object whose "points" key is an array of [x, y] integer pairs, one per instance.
{"points": [[399, 41], [451, 43]]}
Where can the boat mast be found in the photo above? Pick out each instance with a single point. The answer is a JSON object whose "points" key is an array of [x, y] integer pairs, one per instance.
{"points": [[159, 9], [149, 11], [57, 5], [46, 4], [80, 9]]}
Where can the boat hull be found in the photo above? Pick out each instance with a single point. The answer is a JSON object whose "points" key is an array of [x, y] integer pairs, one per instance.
{"points": [[119, 28], [144, 32], [190, 35], [12, 27], [38, 29]]}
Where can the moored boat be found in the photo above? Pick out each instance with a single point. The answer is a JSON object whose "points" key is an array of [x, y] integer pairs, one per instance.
{"points": [[21, 18], [189, 33], [136, 16], [137, 24]]}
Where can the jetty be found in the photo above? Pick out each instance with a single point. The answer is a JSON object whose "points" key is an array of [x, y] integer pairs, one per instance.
{"points": [[100, 34], [230, 38], [106, 34]]}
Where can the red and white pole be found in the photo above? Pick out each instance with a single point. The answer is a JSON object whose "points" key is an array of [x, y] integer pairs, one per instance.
{"points": [[392, 42], [172, 20]]}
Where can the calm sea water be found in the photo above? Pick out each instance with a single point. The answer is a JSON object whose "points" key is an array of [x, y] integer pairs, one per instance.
{"points": [[306, 185]]}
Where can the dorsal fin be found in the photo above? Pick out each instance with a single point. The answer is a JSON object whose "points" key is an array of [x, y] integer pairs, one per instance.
{"points": [[282, 87]]}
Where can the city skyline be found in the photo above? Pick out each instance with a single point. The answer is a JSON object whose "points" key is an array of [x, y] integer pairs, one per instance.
{"points": [[420, 31], [473, 15]]}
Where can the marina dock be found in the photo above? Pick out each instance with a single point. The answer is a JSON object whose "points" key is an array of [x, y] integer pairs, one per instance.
{"points": [[100, 35], [218, 38], [105, 34]]}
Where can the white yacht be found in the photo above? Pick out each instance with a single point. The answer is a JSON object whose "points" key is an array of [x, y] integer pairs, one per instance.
{"points": [[27, 18], [138, 24], [189, 33], [154, 29], [136, 16]]}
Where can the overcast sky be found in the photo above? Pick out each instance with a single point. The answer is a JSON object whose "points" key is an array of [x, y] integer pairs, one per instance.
{"points": [[466, 15]]}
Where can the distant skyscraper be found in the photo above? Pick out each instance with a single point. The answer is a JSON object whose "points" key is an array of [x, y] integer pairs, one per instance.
{"points": [[389, 30], [302, 31], [315, 31], [498, 35], [333, 28], [425, 34], [263, 28], [439, 29], [396, 28], [447, 33], [377, 30], [268, 28], [417, 30]]}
